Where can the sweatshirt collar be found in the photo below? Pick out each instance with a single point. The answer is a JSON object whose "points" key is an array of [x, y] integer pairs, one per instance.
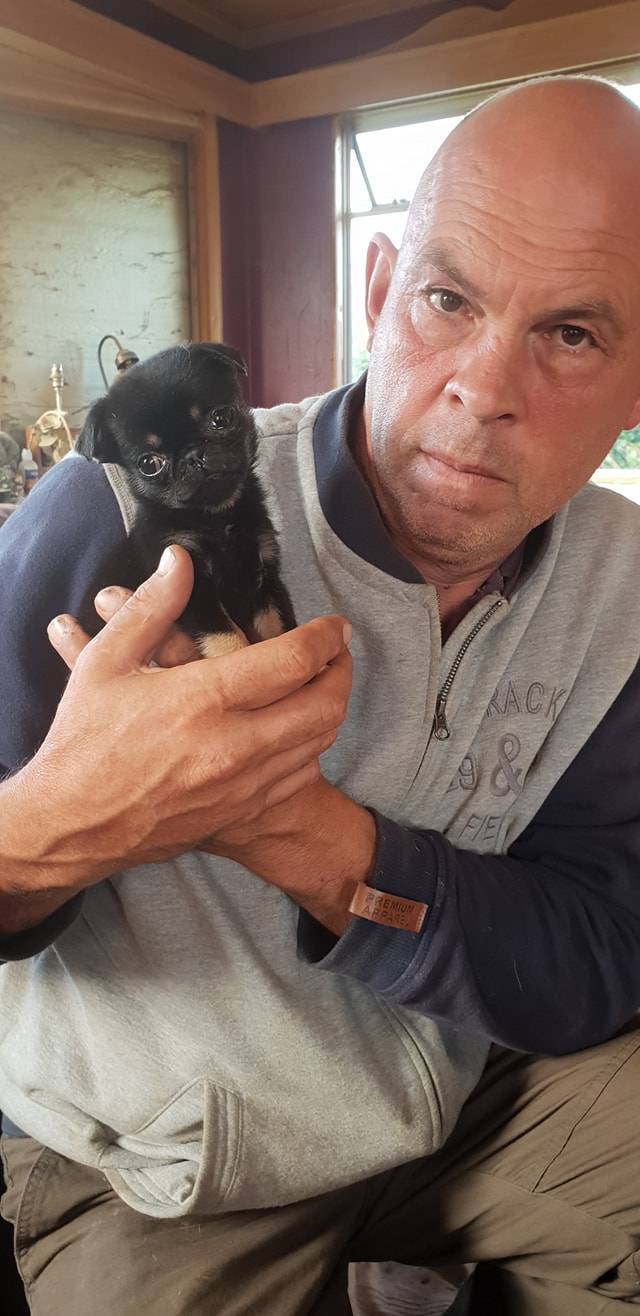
{"points": [[346, 499]]}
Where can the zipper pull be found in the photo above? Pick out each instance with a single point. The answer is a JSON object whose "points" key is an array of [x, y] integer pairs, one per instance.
{"points": [[440, 728]]}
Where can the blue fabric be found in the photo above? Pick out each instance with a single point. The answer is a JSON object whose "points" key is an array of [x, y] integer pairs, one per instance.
{"points": [[537, 950], [46, 560], [50, 548]]}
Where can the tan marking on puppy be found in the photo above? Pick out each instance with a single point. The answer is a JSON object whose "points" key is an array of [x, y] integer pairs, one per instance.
{"points": [[216, 646], [195, 412], [222, 507], [268, 624], [153, 441]]}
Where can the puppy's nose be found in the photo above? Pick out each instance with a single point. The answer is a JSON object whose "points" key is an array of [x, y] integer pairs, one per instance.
{"points": [[195, 460]]}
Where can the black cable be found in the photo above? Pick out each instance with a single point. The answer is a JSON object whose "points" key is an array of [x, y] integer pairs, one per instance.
{"points": [[100, 346]]}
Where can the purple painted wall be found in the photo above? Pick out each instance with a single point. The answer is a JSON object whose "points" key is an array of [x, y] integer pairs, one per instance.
{"points": [[278, 255], [237, 167]]}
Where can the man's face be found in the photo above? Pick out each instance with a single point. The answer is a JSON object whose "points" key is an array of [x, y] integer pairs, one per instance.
{"points": [[505, 360]]}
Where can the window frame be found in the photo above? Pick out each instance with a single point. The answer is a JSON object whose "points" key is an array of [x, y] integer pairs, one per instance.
{"points": [[441, 105]]}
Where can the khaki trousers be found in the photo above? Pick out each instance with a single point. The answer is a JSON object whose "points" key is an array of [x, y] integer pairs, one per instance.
{"points": [[542, 1176]]}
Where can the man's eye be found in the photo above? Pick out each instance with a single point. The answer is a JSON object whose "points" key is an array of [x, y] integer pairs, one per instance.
{"points": [[442, 299], [151, 464], [222, 418], [573, 335]]}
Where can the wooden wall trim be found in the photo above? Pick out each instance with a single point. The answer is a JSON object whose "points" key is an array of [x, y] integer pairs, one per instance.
{"points": [[31, 85], [582, 40], [64, 35], [55, 63], [204, 209], [75, 36]]}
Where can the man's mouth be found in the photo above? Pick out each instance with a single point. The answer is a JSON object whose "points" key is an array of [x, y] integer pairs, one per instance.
{"points": [[443, 462]]}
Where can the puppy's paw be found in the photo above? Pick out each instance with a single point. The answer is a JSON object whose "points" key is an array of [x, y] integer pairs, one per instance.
{"points": [[268, 623], [216, 646]]}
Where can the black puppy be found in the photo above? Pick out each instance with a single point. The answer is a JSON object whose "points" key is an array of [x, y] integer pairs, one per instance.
{"points": [[179, 427]]}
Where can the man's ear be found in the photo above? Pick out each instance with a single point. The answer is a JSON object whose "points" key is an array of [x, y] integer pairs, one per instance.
{"points": [[224, 353], [95, 438], [381, 262]]}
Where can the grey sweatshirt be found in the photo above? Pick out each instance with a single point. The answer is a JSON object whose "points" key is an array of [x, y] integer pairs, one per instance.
{"points": [[171, 1035]]}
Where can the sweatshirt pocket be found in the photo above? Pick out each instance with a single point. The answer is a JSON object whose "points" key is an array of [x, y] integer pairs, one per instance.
{"points": [[185, 1158]]}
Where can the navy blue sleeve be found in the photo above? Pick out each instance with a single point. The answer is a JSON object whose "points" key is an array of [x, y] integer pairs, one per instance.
{"points": [[538, 950], [52, 548]]}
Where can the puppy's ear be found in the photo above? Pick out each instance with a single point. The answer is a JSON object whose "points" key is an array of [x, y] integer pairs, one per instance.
{"points": [[224, 353], [95, 438]]}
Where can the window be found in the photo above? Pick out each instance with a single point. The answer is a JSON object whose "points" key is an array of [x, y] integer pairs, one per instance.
{"points": [[384, 152]]}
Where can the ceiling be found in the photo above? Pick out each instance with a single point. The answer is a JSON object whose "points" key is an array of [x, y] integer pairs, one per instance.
{"points": [[261, 39], [249, 21]]}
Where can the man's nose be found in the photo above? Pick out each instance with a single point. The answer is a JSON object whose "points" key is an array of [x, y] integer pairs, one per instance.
{"points": [[488, 381]]}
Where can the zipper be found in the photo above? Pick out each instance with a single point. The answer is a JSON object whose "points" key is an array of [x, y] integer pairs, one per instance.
{"points": [[440, 727]]}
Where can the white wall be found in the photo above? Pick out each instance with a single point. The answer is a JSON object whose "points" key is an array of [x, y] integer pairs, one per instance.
{"points": [[93, 240]]}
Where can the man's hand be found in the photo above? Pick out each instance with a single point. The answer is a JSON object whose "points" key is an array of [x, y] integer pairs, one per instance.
{"points": [[143, 762], [315, 845]]}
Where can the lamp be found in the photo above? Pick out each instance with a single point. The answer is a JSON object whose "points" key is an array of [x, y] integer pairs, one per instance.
{"points": [[51, 430], [125, 358]]}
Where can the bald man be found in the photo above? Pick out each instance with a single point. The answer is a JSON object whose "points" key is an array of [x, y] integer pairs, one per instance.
{"points": [[259, 1020]]}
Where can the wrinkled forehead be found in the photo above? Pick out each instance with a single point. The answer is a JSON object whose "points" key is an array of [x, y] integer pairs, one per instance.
{"points": [[530, 229]]}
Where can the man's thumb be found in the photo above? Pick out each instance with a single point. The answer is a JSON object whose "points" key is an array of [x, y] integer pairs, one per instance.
{"points": [[135, 631]]}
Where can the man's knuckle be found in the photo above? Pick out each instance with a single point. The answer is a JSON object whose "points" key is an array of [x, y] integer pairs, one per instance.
{"points": [[295, 661], [253, 802], [193, 775], [209, 768], [215, 702], [82, 665], [140, 599], [217, 687], [343, 704], [330, 712], [225, 764]]}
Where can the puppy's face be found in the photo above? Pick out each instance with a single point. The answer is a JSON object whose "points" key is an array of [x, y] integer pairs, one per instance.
{"points": [[180, 427]]}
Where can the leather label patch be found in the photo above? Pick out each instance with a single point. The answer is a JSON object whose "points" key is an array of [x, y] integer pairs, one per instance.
{"points": [[393, 911]]}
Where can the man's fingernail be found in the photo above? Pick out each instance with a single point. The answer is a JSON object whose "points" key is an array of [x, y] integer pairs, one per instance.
{"points": [[166, 562], [107, 597], [347, 631], [58, 626]]}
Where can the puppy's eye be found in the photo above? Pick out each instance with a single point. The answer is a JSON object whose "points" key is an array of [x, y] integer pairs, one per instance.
{"points": [[222, 418], [151, 464]]}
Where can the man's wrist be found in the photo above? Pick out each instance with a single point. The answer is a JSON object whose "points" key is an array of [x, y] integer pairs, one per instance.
{"points": [[342, 857], [316, 848], [34, 880]]}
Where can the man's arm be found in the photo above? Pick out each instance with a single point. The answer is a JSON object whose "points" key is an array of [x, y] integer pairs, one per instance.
{"points": [[538, 950], [140, 762], [46, 561], [37, 900]]}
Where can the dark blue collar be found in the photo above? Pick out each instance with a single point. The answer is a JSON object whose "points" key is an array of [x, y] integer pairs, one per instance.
{"points": [[346, 500]]}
